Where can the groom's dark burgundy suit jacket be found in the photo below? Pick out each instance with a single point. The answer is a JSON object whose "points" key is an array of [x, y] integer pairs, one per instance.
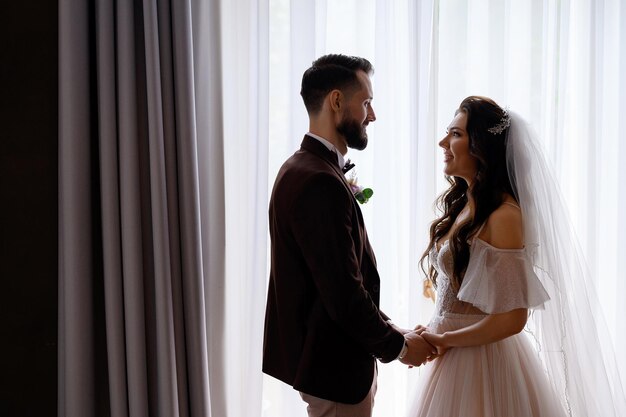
{"points": [[323, 328]]}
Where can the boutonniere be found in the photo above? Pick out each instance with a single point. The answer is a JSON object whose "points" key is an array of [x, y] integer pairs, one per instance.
{"points": [[361, 194]]}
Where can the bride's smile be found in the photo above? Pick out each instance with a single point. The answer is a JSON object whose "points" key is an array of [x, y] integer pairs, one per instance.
{"points": [[456, 145]]}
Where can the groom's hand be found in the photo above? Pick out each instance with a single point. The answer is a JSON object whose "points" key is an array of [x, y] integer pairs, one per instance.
{"points": [[399, 329], [419, 350]]}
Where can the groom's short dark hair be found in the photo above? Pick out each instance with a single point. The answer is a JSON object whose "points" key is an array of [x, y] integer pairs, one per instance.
{"points": [[330, 72]]}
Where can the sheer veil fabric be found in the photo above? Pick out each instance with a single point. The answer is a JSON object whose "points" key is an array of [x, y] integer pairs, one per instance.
{"points": [[570, 334]]}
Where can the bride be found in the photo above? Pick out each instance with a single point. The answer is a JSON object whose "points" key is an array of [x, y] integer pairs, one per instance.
{"points": [[502, 249]]}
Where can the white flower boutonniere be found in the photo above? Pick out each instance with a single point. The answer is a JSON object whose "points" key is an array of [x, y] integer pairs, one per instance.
{"points": [[361, 194]]}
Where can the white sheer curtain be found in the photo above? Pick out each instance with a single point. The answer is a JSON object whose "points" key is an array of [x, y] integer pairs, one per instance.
{"points": [[244, 68], [556, 63]]}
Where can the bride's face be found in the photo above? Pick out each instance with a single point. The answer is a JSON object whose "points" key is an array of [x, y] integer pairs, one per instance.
{"points": [[457, 159]]}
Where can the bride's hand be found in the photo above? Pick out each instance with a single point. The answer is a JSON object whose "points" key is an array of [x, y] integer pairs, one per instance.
{"points": [[419, 329], [437, 340]]}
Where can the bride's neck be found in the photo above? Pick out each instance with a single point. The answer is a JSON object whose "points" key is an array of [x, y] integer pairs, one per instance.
{"points": [[470, 202]]}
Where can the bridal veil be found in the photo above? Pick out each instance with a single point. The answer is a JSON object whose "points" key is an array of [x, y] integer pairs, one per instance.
{"points": [[570, 334]]}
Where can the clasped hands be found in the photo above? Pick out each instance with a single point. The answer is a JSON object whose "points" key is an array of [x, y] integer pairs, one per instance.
{"points": [[423, 346]]}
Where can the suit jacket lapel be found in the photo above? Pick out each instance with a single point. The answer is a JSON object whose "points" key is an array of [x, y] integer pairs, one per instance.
{"points": [[315, 146]]}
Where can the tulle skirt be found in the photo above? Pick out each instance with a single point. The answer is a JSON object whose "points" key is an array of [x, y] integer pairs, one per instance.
{"points": [[502, 379]]}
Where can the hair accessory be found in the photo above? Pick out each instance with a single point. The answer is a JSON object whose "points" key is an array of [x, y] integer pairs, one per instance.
{"points": [[504, 123]]}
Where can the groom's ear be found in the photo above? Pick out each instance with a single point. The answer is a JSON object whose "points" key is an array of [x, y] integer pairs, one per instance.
{"points": [[335, 98]]}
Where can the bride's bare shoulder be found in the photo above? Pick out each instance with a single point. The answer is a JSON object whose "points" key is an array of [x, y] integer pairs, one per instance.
{"points": [[504, 227]]}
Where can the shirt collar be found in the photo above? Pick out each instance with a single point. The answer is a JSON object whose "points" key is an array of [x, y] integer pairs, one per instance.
{"points": [[340, 158]]}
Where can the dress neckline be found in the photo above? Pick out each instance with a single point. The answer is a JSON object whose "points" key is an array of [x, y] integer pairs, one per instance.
{"points": [[439, 248], [499, 249]]}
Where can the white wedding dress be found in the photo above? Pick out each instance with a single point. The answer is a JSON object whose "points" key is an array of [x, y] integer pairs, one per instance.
{"points": [[501, 379], [563, 363]]}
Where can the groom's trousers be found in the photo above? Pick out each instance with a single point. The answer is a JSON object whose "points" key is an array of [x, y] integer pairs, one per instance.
{"points": [[318, 407]]}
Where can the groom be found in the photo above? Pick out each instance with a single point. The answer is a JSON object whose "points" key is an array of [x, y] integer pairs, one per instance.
{"points": [[323, 328]]}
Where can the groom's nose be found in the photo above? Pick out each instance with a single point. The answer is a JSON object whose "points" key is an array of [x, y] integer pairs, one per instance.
{"points": [[371, 116]]}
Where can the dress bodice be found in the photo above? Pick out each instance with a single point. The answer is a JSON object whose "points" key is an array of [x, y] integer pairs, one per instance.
{"points": [[447, 292]]}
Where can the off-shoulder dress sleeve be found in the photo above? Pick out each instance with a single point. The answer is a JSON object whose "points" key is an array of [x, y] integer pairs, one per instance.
{"points": [[501, 280]]}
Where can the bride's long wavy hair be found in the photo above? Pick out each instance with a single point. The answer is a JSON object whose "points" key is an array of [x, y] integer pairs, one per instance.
{"points": [[488, 188]]}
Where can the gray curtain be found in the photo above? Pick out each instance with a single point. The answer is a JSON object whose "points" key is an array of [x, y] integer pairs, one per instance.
{"points": [[140, 267]]}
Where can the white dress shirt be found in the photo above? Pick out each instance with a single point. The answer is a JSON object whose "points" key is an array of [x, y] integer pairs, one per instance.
{"points": [[340, 159]]}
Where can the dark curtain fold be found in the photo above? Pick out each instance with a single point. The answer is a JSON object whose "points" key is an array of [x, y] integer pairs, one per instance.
{"points": [[133, 330]]}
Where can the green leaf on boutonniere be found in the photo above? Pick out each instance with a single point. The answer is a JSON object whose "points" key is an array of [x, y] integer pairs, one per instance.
{"points": [[364, 195]]}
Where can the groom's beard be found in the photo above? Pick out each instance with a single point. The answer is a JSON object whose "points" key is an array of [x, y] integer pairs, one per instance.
{"points": [[354, 133]]}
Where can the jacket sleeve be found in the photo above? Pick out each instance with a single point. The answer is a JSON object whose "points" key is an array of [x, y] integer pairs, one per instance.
{"points": [[323, 229]]}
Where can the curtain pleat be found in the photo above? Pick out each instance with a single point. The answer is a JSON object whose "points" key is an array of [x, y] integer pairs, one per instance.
{"points": [[76, 351], [131, 241], [111, 205], [190, 213]]}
